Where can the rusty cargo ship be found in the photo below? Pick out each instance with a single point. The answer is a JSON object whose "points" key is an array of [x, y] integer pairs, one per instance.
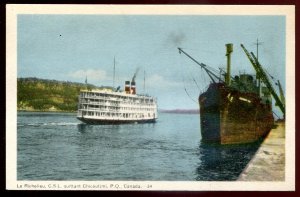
{"points": [[235, 110]]}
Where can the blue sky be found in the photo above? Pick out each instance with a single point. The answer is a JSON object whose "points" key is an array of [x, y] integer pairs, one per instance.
{"points": [[71, 47]]}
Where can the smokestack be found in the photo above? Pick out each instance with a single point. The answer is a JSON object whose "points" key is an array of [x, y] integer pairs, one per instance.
{"points": [[229, 49], [127, 87], [133, 88]]}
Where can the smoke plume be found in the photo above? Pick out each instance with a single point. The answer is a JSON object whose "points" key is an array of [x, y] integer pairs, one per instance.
{"points": [[136, 72]]}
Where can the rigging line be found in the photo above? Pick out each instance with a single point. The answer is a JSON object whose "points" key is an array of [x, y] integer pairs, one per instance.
{"points": [[275, 114], [180, 66], [182, 75], [273, 78], [212, 70], [194, 80], [203, 81], [187, 91], [204, 78], [189, 95], [196, 83], [185, 76], [211, 74], [183, 82]]}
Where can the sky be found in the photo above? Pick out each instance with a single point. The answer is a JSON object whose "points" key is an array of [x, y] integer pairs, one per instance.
{"points": [[73, 47]]}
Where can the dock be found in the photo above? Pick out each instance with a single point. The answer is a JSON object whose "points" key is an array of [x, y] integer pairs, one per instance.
{"points": [[268, 164]]}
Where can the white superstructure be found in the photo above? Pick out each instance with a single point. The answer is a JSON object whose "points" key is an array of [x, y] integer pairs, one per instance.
{"points": [[110, 107]]}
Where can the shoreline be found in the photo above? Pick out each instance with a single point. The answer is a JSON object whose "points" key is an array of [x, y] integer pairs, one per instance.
{"points": [[47, 111], [62, 111]]}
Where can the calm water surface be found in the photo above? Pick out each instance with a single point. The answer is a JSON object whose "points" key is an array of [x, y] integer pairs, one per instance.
{"points": [[56, 146]]}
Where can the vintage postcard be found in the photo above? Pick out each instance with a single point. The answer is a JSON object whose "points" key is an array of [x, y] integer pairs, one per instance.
{"points": [[150, 97]]}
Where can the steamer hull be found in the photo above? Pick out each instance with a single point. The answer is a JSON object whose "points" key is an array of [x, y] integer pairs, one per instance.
{"points": [[94, 121], [229, 116]]}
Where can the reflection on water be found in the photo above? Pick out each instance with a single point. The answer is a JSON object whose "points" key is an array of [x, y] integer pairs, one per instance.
{"points": [[224, 162], [56, 146], [82, 128]]}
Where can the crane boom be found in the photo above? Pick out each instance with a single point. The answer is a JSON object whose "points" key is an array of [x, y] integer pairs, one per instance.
{"points": [[282, 98], [210, 74], [262, 75]]}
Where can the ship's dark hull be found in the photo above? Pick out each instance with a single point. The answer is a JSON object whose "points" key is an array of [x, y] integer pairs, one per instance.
{"points": [[110, 122], [231, 117]]}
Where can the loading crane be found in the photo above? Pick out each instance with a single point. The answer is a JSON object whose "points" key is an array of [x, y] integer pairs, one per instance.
{"points": [[282, 98], [209, 73], [262, 75]]}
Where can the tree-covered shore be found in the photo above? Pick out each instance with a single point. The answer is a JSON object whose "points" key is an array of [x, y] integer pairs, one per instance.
{"points": [[35, 94]]}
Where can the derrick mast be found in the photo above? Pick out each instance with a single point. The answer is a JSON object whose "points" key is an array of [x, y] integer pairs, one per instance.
{"points": [[263, 76], [229, 49], [282, 98], [231, 110]]}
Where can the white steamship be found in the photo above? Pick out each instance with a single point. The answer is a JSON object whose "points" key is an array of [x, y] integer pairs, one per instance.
{"points": [[116, 107]]}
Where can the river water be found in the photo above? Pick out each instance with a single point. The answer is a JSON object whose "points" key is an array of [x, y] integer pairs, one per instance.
{"points": [[57, 146]]}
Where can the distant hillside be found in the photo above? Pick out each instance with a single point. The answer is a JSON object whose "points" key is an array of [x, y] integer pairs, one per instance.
{"points": [[35, 94], [48, 95], [181, 111]]}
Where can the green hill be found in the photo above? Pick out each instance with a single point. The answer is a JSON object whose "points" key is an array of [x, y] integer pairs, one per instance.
{"points": [[48, 95]]}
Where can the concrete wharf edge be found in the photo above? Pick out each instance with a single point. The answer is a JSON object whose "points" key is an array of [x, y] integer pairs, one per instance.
{"points": [[268, 163]]}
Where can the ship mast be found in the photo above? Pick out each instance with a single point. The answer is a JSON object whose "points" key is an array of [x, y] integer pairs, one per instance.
{"points": [[259, 70], [144, 80], [257, 44], [229, 49], [257, 74]]}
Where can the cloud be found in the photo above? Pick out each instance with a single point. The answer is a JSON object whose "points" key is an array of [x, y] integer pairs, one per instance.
{"points": [[91, 74]]}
